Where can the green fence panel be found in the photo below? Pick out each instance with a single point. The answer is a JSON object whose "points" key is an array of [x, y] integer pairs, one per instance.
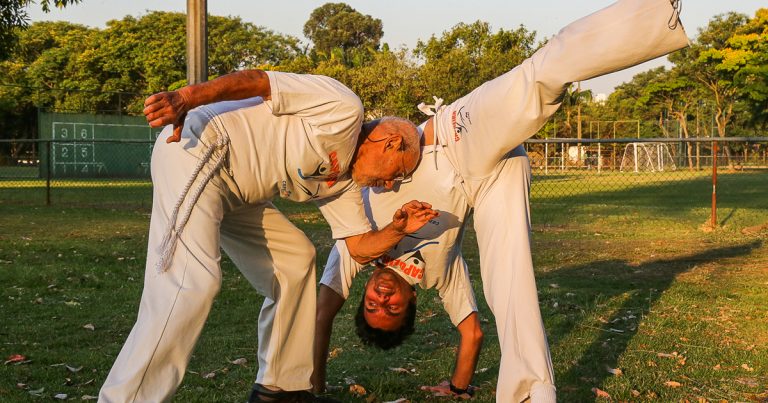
{"points": [[82, 145]]}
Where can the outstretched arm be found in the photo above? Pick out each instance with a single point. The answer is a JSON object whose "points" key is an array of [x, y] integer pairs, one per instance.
{"points": [[410, 218], [328, 305], [171, 107], [466, 359]]}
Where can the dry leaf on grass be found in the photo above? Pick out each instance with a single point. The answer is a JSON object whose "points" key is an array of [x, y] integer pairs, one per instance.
{"points": [[672, 384], [601, 393], [335, 352], [751, 382], [89, 326], [747, 367], [357, 390], [60, 396], [89, 397], [615, 371], [14, 358], [37, 392], [400, 400]]}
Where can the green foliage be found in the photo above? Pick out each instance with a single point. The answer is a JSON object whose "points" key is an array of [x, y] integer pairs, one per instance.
{"points": [[13, 17], [468, 55], [749, 59], [337, 25]]}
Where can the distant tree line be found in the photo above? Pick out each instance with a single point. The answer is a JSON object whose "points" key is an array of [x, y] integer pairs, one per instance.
{"points": [[721, 80]]}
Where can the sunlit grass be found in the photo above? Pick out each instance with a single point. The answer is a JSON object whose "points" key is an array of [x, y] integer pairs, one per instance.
{"points": [[629, 279]]}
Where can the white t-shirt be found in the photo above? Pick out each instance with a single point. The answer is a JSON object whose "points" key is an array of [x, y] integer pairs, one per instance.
{"points": [[299, 145], [431, 257]]}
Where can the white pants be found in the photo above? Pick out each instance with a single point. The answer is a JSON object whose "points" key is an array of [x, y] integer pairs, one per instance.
{"points": [[479, 129], [274, 255]]}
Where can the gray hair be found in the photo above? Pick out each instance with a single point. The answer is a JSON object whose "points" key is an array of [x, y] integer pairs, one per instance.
{"points": [[394, 125]]}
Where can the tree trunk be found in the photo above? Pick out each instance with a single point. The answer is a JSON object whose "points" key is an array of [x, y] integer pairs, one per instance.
{"points": [[721, 119], [681, 118]]}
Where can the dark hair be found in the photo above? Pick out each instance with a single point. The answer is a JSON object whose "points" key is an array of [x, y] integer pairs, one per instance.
{"points": [[383, 339]]}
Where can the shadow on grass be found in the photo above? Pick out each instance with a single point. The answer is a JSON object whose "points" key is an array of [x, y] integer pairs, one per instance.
{"points": [[640, 286]]}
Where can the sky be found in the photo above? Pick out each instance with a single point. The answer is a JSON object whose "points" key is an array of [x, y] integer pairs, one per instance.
{"points": [[407, 21]]}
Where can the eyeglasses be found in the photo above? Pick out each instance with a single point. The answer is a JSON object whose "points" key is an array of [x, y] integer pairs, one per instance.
{"points": [[403, 177]]}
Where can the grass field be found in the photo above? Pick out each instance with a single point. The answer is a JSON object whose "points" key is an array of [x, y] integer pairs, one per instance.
{"points": [[629, 279]]}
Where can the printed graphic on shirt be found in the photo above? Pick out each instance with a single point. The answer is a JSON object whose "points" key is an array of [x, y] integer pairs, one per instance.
{"points": [[324, 171], [311, 194], [460, 121], [411, 262], [284, 191]]}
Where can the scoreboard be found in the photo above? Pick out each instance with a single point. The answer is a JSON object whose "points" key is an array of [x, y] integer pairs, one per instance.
{"points": [[97, 146]]}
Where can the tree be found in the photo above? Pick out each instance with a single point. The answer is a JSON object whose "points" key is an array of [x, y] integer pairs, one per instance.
{"points": [[749, 58], [468, 55], [388, 85], [574, 97], [708, 61], [675, 91], [13, 16], [337, 25], [623, 102]]}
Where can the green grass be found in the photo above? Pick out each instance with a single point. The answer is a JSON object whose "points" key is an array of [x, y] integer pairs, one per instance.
{"points": [[628, 278]]}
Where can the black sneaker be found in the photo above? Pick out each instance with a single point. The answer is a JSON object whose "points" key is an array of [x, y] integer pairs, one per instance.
{"points": [[260, 394]]}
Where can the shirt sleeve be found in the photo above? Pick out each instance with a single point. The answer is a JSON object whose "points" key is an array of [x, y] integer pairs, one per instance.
{"points": [[345, 213], [457, 294], [340, 270], [332, 112]]}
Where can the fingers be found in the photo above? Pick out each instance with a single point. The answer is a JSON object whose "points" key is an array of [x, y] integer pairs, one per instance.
{"points": [[176, 136], [415, 204], [163, 108]]}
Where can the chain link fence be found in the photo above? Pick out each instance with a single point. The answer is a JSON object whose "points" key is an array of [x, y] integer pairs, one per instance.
{"points": [[616, 173], [115, 173]]}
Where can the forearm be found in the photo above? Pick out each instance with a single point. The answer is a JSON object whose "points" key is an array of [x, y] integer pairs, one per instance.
{"points": [[371, 245], [238, 85], [470, 345], [328, 305]]}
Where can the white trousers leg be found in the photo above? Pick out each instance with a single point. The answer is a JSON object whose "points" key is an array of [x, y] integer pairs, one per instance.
{"points": [[174, 304], [502, 224], [499, 115], [279, 261]]}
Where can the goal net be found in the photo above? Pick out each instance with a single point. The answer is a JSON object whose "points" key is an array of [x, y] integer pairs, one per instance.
{"points": [[647, 157]]}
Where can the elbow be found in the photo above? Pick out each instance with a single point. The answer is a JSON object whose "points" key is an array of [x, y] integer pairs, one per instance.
{"points": [[361, 259], [356, 252], [477, 335], [474, 333]]}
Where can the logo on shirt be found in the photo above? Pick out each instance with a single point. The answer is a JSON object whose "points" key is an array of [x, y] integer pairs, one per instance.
{"points": [[328, 172], [460, 121], [411, 263]]}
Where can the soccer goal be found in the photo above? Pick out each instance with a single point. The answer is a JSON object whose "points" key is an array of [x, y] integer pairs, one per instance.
{"points": [[647, 157]]}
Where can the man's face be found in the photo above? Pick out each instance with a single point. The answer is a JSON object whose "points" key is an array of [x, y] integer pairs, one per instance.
{"points": [[383, 159], [378, 166], [386, 299]]}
